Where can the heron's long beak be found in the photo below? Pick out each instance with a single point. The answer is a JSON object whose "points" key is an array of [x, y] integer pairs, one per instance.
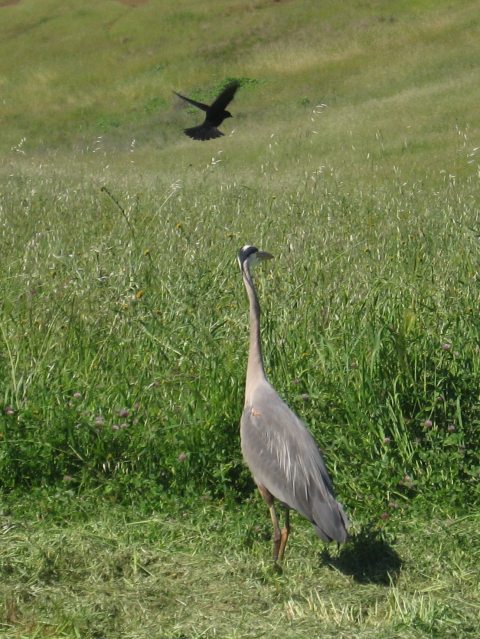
{"points": [[263, 255]]}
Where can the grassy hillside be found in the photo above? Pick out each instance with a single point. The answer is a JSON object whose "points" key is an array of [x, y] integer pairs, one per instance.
{"points": [[352, 157], [398, 80]]}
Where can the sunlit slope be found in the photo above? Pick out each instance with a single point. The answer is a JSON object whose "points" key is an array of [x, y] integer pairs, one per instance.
{"points": [[399, 81]]}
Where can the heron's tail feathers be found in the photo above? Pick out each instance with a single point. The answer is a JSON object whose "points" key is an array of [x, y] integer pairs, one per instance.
{"points": [[332, 523]]}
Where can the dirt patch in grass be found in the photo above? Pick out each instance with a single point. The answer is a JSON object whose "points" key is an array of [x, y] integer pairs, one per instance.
{"points": [[8, 3]]}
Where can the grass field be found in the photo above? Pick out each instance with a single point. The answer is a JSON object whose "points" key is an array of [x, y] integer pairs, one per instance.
{"points": [[203, 573], [353, 156]]}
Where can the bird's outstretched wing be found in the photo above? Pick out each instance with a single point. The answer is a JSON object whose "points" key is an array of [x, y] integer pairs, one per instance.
{"points": [[203, 132], [225, 96], [199, 105]]}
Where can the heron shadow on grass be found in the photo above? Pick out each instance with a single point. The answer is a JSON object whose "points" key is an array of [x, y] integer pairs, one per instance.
{"points": [[367, 557]]}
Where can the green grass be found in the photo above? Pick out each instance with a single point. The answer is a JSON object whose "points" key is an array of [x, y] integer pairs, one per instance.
{"points": [[123, 357], [124, 342], [204, 573], [398, 79], [126, 508]]}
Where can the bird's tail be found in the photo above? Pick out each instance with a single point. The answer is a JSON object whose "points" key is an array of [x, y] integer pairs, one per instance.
{"points": [[203, 132], [332, 523]]}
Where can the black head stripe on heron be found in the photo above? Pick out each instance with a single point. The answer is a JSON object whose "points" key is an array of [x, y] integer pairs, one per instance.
{"points": [[282, 455], [215, 113]]}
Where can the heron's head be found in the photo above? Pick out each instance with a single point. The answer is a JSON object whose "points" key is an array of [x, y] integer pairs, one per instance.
{"points": [[250, 256], [228, 114]]}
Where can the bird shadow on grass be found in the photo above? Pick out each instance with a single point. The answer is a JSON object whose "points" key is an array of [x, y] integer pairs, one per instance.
{"points": [[367, 557]]}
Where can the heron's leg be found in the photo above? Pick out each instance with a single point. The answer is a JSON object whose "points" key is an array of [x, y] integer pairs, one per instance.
{"points": [[284, 534], [277, 534]]}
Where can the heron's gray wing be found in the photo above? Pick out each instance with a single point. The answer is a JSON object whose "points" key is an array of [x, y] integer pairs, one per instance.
{"points": [[225, 97], [283, 457], [199, 105]]}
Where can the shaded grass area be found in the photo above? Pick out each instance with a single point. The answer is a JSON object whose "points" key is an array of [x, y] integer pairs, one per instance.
{"points": [[206, 573]]}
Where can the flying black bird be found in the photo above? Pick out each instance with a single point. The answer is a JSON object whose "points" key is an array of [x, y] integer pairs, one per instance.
{"points": [[215, 113]]}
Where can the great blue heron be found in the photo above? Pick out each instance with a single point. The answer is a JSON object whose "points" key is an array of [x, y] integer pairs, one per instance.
{"points": [[215, 113], [279, 450]]}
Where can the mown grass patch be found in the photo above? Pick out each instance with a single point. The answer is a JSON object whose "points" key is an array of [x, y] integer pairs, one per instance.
{"points": [[206, 573]]}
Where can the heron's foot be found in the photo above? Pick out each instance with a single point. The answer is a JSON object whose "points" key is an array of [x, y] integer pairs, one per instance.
{"points": [[277, 568]]}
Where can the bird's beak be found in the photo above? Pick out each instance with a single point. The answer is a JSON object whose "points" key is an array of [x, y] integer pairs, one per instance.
{"points": [[263, 255]]}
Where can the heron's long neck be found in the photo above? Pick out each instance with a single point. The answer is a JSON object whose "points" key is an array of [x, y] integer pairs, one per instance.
{"points": [[255, 370]]}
